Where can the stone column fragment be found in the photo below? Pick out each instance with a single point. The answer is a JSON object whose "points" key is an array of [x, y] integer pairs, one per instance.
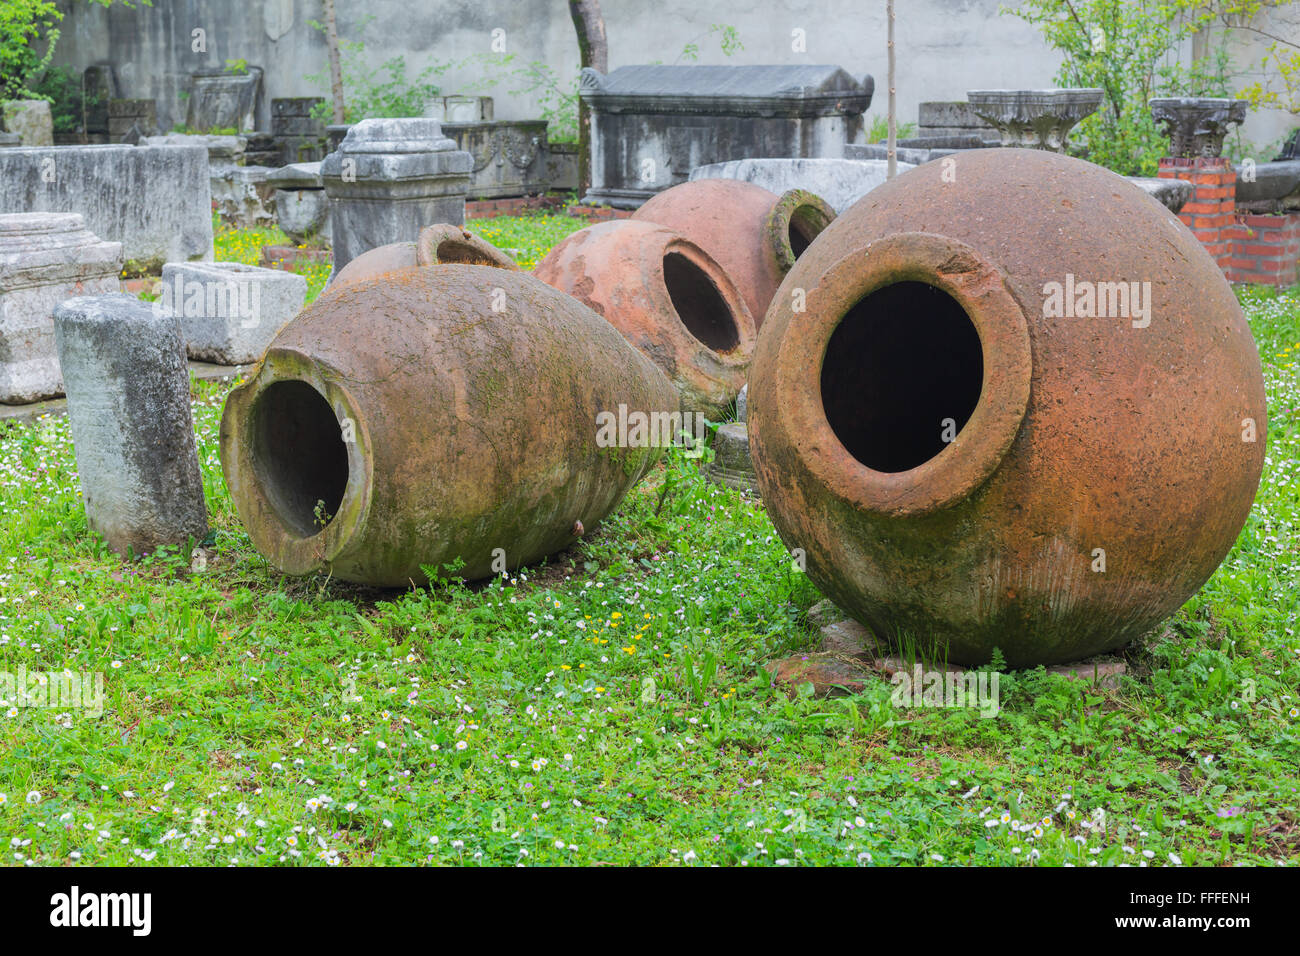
{"points": [[129, 406]]}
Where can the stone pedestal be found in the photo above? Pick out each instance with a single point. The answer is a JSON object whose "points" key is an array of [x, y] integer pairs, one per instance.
{"points": [[1196, 125], [389, 179], [1035, 119], [31, 120], [129, 408], [44, 259], [229, 312]]}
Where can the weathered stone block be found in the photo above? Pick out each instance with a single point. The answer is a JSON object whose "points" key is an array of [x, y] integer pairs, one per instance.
{"points": [[951, 113], [731, 465], [303, 214], [459, 109], [155, 201], [562, 166], [228, 311], [220, 99], [31, 120], [242, 196], [298, 135], [129, 408], [129, 121], [389, 179], [45, 258]]}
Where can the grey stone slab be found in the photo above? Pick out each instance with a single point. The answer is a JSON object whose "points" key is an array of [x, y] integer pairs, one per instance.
{"points": [[952, 113], [964, 141], [220, 148], [156, 200], [99, 84], [45, 258], [841, 182], [296, 176], [129, 410], [1269, 182], [986, 136], [1170, 193], [229, 312], [877, 153]]}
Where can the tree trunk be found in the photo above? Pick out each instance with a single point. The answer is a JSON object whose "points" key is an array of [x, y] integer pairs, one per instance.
{"points": [[336, 68], [892, 153], [593, 51]]}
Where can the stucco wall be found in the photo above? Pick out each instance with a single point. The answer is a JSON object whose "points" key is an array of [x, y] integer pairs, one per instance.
{"points": [[945, 47]]}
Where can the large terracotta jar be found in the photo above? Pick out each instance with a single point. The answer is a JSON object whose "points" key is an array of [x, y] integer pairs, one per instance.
{"points": [[435, 416], [669, 298], [1022, 410], [754, 234]]}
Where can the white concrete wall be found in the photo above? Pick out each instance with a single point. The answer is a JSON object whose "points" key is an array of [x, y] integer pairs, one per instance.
{"points": [[945, 47]]}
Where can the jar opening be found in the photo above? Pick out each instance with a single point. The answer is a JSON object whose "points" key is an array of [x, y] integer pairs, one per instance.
{"points": [[699, 304], [901, 376], [299, 456]]}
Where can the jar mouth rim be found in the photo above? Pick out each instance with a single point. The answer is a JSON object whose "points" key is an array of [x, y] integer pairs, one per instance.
{"points": [[797, 209], [274, 531], [983, 292]]}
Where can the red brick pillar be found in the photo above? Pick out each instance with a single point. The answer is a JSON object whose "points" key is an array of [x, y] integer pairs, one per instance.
{"points": [[1267, 250], [1211, 211]]}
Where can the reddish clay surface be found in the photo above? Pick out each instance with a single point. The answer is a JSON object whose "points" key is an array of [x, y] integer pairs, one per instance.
{"points": [[754, 234], [1102, 465], [431, 415], [669, 298]]}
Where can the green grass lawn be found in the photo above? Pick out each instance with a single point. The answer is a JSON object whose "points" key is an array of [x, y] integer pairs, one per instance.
{"points": [[610, 706]]}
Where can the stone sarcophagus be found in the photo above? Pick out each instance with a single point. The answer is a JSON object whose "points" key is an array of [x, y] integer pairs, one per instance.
{"points": [[509, 156], [651, 125]]}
